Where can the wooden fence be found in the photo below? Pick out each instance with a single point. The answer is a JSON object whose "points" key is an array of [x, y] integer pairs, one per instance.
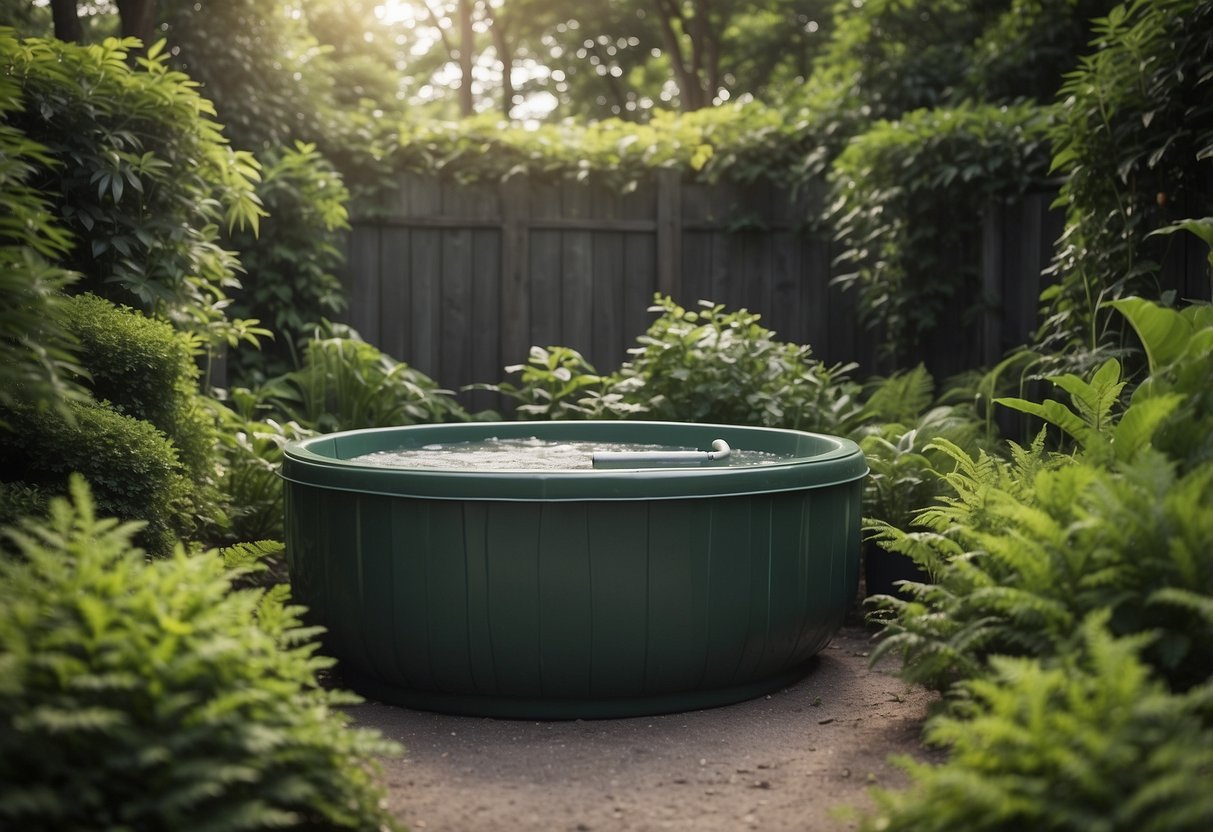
{"points": [[461, 280]]}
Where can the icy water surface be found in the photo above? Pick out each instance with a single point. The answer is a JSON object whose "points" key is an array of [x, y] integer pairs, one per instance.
{"points": [[534, 454]]}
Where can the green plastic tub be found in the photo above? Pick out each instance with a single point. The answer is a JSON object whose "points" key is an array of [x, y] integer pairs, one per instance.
{"points": [[574, 594]]}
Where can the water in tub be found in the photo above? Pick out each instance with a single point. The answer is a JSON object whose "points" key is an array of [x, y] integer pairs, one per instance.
{"points": [[534, 454]]}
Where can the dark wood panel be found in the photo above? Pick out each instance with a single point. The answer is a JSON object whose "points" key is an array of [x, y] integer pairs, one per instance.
{"points": [[395, 282], [363, 281], [460, 281]]}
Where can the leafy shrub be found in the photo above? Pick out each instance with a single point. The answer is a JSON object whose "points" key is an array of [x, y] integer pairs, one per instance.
{"points": [[558, 383], [1133, 141], [1018, 563], [250, 450], [888, 57], [906, 465], [145, 695], [724, 367], [18, 499], [138, 173], [1029, 49], [908, 199], [735, 143], [1179, 349], [897, 427], [290, 283], [143, 368], [1026, 549], [1094, 742], [346, 383], [132, 467], [242, 45], [36, 354]]}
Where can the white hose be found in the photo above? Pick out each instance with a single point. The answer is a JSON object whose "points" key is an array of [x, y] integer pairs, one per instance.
{"points": [[625, 459]]}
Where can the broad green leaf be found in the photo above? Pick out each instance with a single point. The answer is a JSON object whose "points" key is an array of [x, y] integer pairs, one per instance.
{"points": [[1054, 413], [1136, 427], [1163, 332]]}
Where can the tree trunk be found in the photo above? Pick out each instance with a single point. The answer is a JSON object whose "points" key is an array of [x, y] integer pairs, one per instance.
{"points": [[466, 49], [688, 81], [138, 20], [500, 43], [67, 21]]}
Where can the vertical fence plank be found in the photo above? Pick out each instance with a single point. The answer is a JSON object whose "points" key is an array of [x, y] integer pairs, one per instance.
{"points": [[545, 267], [485, 338], [425, 260], [395, 284], [696, 268], [576, 271], [669, 232], [546, 287], [717, 282], [607, 335], [363, 280], [993, 262], [425, 200], [817, 304], [455, 291], [639, 286], [515, 326], [785, 286]]}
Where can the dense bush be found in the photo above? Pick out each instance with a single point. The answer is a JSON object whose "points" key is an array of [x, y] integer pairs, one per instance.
{"points": [[139, 695], [891, 56], [289, 283], [1179, 351], [1027, 51], [238, 46], [908, 197], [250, 450], [736, 143], [1026, 549], [1134, 139], [1092, 742], [133, 469], [19, 499], [346, 383], [704, 365], [137, 171], [708, 365], [143, 368], [901, 422], [558, 383], [36, 353]]}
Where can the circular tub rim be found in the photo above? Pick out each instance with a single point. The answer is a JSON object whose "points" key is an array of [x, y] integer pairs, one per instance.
{"points": [[822, 461]]}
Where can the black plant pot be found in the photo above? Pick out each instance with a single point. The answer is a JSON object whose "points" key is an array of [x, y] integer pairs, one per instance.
{"points": [[882, 569]]}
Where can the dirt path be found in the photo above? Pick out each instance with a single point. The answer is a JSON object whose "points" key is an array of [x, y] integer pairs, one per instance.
{"points": [[782, 762]]}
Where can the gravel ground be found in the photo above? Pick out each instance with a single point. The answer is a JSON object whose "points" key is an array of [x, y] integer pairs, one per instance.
{"points": [[788, 761]]}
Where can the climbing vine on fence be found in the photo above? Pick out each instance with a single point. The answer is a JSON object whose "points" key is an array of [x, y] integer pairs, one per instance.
{"points": [[907, 203]]}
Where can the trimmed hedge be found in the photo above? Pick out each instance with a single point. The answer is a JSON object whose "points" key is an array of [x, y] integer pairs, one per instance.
{"points": [[143, 368], [133, 469]]}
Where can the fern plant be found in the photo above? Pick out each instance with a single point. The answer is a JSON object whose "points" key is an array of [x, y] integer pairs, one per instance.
{"points": [[151, 695], [1092, 743], [1021, 550]]}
